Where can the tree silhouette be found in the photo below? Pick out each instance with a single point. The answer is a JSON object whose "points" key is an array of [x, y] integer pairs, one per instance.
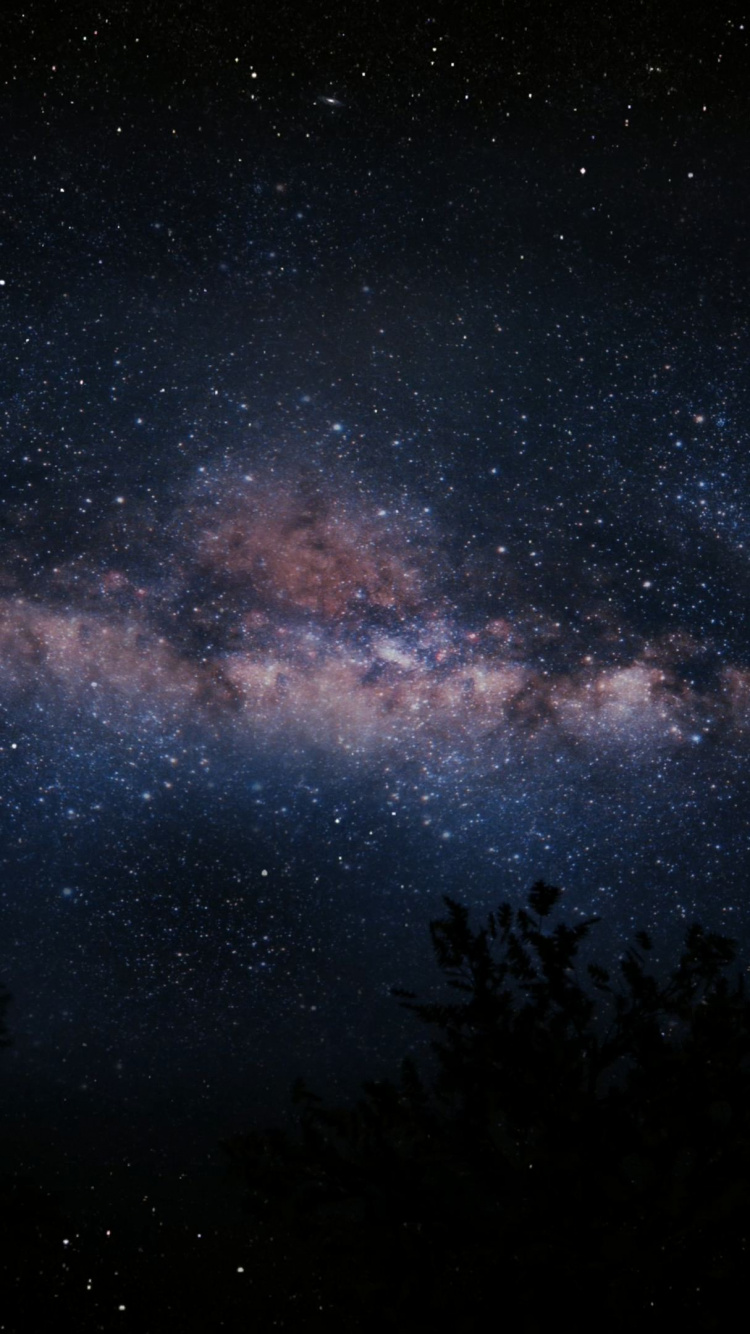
{"points": [[583, 1147]]}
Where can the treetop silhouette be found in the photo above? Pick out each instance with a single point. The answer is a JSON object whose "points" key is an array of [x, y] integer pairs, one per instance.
{"points": [[585, 1126]]}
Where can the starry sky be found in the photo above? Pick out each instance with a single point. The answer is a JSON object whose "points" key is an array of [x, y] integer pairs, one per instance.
{"points": [[374, 524]]}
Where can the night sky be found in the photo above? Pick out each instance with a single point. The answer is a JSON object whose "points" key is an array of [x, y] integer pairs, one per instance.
{"points": [[374, 526]]}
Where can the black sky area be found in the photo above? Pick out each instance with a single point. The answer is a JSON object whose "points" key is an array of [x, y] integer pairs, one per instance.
{"points": [[374, 526]]}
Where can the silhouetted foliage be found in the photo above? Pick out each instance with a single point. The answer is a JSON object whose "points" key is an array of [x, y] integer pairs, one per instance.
{"points": [[583, 1148]]}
